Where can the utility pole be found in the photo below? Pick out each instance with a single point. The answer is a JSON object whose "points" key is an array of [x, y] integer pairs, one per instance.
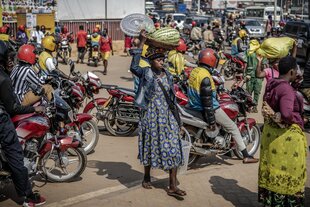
{"points": [[198, 7], [275, 10]]}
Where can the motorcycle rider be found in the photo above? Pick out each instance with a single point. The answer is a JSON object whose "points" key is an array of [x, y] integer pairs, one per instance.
{"points": [[238, 48], [196, 36], [208, 37], [177, 61], [21, 35], [4, 33], [203, 100], [23, 75], [65, 34], [46, 59], [8, 138], [94, 41], [217, 33]]}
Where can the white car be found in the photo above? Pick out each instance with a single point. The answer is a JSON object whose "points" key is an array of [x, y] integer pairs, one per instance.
{"points": [[177, 18]]}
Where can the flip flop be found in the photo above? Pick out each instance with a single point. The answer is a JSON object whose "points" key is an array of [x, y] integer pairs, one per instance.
{"points": [[147, 185], [176, 193]]}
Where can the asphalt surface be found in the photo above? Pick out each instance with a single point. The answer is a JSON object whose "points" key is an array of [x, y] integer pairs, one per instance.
{"points": [[113, 174]]}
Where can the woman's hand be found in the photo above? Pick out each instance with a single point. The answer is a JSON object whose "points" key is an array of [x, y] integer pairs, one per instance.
{"points": [[142, 38], [259, 58]]}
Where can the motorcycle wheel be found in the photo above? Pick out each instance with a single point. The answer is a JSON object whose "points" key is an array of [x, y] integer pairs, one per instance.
{"points": [[90, 135], [98, 120], [50, 164], [96, 63], [228, 72], [65, 57], [192, 132], [116, 127], [251, 147]]}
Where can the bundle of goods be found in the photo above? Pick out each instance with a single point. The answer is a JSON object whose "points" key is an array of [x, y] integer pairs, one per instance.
{"points": [[277, 47], [167, 38]]}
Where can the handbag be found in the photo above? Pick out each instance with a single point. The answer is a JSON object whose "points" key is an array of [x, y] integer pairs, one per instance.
{"points": [[173, 108]]}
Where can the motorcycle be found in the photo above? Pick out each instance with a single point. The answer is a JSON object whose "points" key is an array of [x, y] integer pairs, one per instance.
{"points": [[83, 125], [233, 65], [95, 55], [63, 51], [205, 142], [46, 151]]}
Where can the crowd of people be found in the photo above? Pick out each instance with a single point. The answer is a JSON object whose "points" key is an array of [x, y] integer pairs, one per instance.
{"points": [[282, 169]]}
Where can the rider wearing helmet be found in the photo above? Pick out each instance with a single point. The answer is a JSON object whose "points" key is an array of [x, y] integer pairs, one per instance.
{"points": [[8, 138], [46, 59], [203, 101], [237, 47], [217, 33], [22, 76], [21, 35], [196, 33], [65, 34], [4, 33], [177, 61]]}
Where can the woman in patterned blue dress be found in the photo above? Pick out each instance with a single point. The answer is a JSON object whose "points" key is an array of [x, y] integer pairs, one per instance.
{"points": [[159, 142]]}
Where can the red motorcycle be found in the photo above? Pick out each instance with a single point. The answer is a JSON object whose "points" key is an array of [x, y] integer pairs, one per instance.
{"points": [[235, 104], [234, 65], [46, 150], [83, 125]]}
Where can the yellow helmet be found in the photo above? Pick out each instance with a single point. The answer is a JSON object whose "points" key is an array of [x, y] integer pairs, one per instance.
{"points": [[242, 33], [48, 43], [98, 26]]}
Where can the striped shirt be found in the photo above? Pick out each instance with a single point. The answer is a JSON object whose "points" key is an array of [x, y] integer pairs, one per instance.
{"points": [[22, 77]]}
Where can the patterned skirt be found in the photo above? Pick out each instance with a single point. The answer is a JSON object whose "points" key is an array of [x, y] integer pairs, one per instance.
{"points": [[159, 142], [282, 167]]}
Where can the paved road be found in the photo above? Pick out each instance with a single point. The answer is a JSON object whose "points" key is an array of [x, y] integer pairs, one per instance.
{"points": [[113, 174]]}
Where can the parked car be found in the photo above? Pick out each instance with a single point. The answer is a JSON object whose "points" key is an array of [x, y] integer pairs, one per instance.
{"points": [[299, 30], [253, 27], [149, 6], [198, 19]]}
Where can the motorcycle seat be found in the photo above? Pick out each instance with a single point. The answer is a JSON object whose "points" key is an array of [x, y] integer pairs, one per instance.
{"points": [[194, 113], [18, 118], [128, 91]]}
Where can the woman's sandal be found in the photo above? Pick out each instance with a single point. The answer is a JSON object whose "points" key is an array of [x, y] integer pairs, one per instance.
{"points": [[176, 193], [147, 184]]}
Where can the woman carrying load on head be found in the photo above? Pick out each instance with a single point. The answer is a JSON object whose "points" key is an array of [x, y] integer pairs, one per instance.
{"points": [[159, 141]]}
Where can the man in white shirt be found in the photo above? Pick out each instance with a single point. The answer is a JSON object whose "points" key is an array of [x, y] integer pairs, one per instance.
{"points": [[37, 35]]}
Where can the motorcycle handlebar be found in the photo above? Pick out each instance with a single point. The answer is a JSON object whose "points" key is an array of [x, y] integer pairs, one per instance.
{"points": [[106, 86]]}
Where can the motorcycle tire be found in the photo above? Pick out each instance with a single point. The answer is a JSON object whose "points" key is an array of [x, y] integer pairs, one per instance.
{"points": [[193, 133], [89, 147], [57, 176], [96, 63], [65, 57], [256, 141], [111, 122]]}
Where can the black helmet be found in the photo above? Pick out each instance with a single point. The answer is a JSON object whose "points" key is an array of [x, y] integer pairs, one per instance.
{"points": [[4, 51]]}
